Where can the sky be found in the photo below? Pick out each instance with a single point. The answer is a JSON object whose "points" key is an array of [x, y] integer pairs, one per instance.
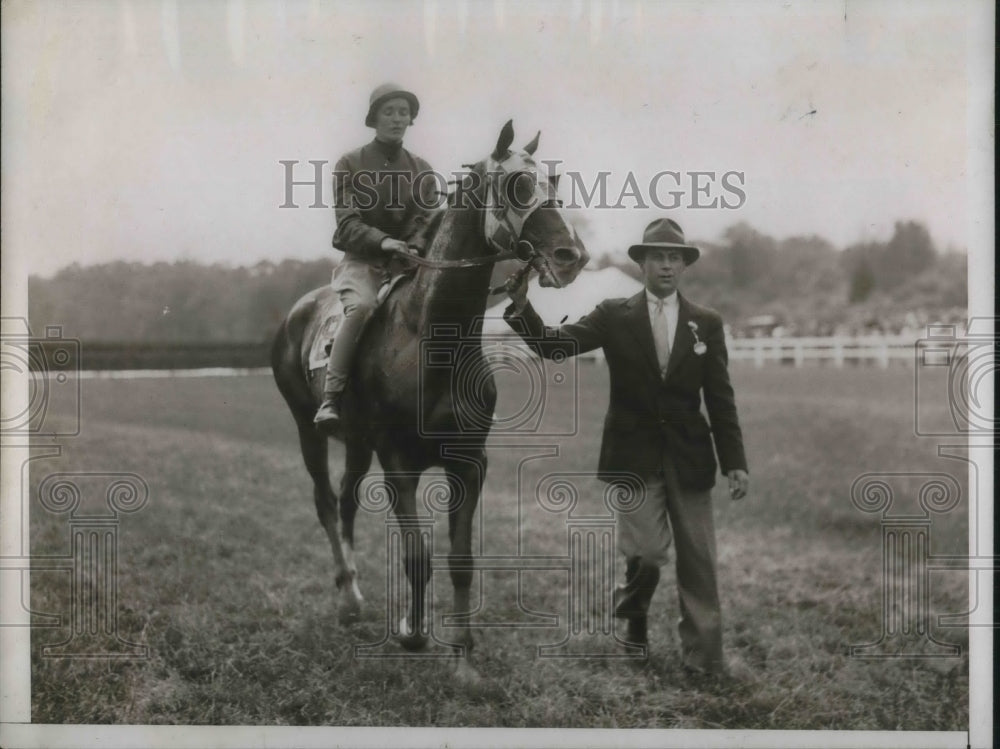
{"points": [[154, 130]]}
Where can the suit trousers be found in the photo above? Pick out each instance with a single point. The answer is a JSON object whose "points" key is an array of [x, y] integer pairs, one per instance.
{"points": [[644, 535]]}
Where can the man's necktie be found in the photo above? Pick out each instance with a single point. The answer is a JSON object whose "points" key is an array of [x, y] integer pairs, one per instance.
{"points": [[661, 336]]}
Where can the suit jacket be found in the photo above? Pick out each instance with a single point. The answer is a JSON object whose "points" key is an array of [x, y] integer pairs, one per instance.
{"points": [[651, 417]]}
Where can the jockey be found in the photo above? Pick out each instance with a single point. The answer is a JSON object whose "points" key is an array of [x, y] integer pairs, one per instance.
{"points": [[381, 206]]}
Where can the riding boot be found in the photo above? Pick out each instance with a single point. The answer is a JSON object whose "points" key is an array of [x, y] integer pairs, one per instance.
{"points": [[633, 598], [337, 368], [328, 413]]}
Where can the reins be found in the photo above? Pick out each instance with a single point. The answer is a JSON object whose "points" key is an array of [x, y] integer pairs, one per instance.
{"points": [[472, 262], [468, 262], [512, 232]]}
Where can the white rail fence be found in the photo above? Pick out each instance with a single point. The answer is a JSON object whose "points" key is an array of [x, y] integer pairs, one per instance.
{"points": [[879, 350]]}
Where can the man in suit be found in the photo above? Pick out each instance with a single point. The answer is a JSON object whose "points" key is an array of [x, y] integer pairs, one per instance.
{"points": [[664, 353]]}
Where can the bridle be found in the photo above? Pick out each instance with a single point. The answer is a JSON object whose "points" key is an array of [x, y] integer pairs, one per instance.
{"points": [[503, 219]]}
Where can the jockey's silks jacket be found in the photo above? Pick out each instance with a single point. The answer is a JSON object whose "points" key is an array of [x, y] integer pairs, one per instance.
{"points": [[651, 417], [374, 198]]}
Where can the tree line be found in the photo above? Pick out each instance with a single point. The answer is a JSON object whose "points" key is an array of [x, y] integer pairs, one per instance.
{"points": [[176, 302], [806, 283], [812, 288]]}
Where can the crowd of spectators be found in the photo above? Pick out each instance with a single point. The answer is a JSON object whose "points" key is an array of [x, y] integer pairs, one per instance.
{"points": [[909, 324]]}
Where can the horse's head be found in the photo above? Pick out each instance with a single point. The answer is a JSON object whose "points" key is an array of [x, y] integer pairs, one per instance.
{"points": [[524, 214]]}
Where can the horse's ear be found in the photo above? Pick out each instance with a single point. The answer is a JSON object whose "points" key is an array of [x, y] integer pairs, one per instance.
{"points": [[504, 141], [533, 145]]}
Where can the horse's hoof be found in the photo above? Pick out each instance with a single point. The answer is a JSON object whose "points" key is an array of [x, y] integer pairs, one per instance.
{"points": [[413, 643], [411, 640], [349, 612], [466, 674]]}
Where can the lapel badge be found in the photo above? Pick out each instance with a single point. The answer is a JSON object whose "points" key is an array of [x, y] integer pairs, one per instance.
{"points": [[699, 347]]}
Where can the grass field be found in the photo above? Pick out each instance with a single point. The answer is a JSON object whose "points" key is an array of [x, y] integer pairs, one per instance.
{"points": [[227, 576]]}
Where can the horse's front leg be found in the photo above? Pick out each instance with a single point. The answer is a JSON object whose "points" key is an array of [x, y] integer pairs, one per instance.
{"points": [[465, 479], [413, 630]]}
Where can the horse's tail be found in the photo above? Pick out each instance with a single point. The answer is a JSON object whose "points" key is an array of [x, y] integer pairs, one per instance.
{"points": [[287, 361]]}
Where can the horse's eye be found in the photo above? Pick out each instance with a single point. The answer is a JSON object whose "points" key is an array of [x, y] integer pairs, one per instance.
{"points": [[520, 190]]}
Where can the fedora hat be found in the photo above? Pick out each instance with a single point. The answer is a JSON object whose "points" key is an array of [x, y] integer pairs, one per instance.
{"points": [[389, 91], [663, 234]]}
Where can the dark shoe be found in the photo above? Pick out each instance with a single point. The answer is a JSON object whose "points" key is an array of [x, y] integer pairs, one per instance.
{"points": [[703, 676], [637, 643], [636, 633], [328, 414]]}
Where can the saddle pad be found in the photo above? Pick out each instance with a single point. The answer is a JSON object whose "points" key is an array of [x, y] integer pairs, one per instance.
{"points": [[319, 352]]}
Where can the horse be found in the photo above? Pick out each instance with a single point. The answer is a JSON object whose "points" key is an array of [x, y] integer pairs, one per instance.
{"points": [[411, 415]]}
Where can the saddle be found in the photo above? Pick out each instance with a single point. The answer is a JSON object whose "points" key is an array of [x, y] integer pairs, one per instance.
{"points": [[319, 352]]}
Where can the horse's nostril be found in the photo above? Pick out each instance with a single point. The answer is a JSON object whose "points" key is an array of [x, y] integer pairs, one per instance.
{"points": [[566, 255]]}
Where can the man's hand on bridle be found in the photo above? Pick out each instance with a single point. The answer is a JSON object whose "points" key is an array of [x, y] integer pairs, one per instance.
{"points": [[517, 287]]}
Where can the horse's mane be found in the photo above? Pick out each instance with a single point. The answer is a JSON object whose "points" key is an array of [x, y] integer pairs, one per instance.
{"points": [[424, 236]]}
